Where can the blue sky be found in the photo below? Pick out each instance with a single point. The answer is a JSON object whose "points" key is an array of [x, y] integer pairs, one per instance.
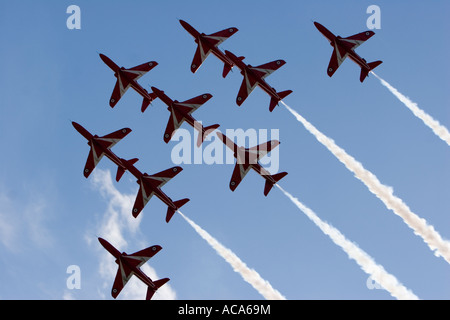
{"points": [[50, 215]]}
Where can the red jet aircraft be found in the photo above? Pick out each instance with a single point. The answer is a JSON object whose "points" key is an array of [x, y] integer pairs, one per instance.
{"points": [[247, 158], [150, 185], [127, 78], [181, 111], [101, 146], [345, 47], [208, 44], [129, 265], [254, 76]]}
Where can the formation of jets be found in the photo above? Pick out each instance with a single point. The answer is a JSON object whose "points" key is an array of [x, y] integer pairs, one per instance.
{"points": [[246, 158]]}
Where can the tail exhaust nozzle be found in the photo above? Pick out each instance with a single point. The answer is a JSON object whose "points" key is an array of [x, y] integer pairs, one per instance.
{"points": [[178, 204], [281, 95], [158, 284], [365, 72], [269, 184], [121, 170], [206, 131]]}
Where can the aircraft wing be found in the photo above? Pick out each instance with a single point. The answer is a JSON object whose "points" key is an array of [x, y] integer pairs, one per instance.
{"points": [[337, 57], [122, 85], [123, 275], [143, 197], [93, 159], [200, 55], [247, 86], [239, 172], [266, 69], [110, 140], [137, 259], [356, 40], [161, 178], [175, 121], [193, 104], [136, 72], [261, 150], [220, 36]]}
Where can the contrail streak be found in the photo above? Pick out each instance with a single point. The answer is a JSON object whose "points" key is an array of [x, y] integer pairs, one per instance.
{"points": [[367, 264], [432, 238], [433, 124], [249, 275]]}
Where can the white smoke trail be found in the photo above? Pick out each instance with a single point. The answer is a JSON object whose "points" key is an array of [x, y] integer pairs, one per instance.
{"points": [[367, 264], [433, 124], [432, 238], [249, 275]]}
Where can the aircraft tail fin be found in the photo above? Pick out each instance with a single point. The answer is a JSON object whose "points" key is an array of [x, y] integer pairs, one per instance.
{"points": [[365, 72], [207, 131], [269, 184], [274, 101], [146, 102], [121, 170], [178, 204], [158, 284]]}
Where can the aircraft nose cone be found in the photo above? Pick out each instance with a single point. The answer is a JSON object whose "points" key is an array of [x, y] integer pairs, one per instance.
{"points": [[76, 126], [184, 24], [104, 58], [102, 241], [318, 25]]}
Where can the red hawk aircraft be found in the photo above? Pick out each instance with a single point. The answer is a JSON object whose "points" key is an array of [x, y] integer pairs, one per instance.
{"points": [[150, 185], [208, 44], [127, 78], [345, 47], [247, 158], [254, 76], [129, 265], [181, 111], [100, 146]]}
